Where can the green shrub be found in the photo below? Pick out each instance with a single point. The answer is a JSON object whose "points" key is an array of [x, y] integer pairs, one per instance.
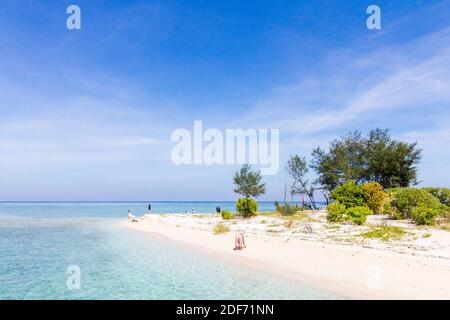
{"points": [[358, 215], [349, 194], [423, 215], [228, 215], [442, 194], [374, 195], [445, 212], [287, 209], [338, 213], [246, 206], [391, 211], [405, 200], [335, 212]]}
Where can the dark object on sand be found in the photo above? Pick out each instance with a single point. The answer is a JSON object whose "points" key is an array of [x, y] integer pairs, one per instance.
{"points": [[218, 209]]}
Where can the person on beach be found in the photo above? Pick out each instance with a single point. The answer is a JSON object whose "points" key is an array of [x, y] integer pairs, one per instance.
{"points": [[131, 217], [239, 241]]}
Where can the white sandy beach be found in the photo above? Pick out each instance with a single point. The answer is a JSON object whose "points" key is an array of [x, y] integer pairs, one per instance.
{"points": [[331, 258]]}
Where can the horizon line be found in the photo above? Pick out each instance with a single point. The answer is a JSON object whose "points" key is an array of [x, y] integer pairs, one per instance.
{"points": [[130, 201]]}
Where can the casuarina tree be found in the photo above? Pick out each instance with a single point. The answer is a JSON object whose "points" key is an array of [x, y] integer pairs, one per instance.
{"points": [[249, 184]]}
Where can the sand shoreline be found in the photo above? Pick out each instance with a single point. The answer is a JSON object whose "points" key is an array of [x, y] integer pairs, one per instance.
{"points": [[350, 271]]}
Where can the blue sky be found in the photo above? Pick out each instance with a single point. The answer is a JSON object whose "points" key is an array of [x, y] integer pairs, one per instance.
{"points": [[87, 114]]}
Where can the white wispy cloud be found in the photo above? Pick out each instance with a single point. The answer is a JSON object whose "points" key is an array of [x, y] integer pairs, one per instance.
{"points": [[420, 78], [99, 126]]}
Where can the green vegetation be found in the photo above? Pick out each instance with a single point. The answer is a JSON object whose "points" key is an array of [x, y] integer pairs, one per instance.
{"points": [[228, 215], [221, 228], [361, 175], [357, 215], [375, 157], [246, 207], [288, 209], [297, 169], [423, 215], [442, 194], [374, 196], [420, 205], [248, 183], [385, 233], [405, 200], [354, 202], [400, 203], [337, 212], [349, 194]]}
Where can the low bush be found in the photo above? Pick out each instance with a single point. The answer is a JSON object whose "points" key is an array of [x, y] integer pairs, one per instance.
{"points": [[405, 200], [338, 213], [423, 215], [357, 215], [391, 211], [335, 212], [246, 206], [442, 194], [287, 209], [228, 215], [375, 196], [349, 194]]}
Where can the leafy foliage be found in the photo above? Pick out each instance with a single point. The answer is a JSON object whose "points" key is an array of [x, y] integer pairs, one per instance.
{"points": [[246, 206], [391, 163], [373, 158], [287, 209], [375, 196], [248, 182], [358, 215], [228, 215], [349, 194], [423, 215], [336, 212], [443, 194], [405, 200]]}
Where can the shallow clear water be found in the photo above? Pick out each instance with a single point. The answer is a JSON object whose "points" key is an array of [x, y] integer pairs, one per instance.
{"points": [[116, 263]]}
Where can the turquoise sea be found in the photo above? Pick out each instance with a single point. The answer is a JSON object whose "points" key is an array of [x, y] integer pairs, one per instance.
{"points": [[39, 241]]}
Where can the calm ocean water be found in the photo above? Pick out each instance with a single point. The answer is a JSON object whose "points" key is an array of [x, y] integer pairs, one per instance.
{"points": [[39, 241]]}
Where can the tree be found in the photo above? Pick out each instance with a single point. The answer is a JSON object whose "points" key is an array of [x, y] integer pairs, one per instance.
{"points": [[390, 163], [248, 182], [373, 158], [297, 169]]}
